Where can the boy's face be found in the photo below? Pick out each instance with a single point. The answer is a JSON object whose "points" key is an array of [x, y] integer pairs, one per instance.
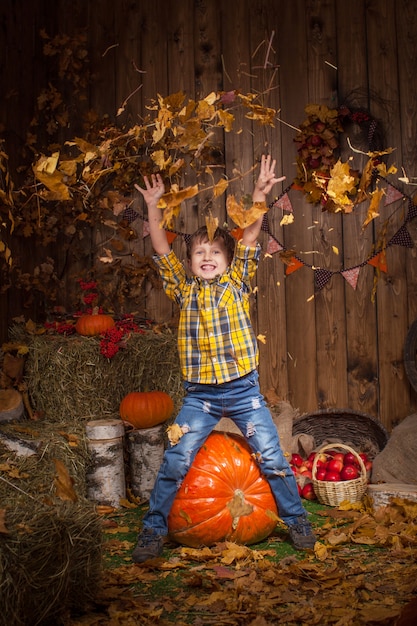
{"points": [[208, 259]]}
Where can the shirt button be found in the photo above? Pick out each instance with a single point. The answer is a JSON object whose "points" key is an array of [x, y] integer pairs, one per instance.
{"points": [[213, 358]]}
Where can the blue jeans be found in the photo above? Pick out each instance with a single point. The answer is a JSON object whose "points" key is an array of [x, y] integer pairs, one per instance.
{"points": [[202, 408]]}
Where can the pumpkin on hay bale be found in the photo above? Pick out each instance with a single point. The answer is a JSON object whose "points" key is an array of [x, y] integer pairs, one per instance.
{"points": [[95, 324], [68, 379], [50, 561], [224, 496]]}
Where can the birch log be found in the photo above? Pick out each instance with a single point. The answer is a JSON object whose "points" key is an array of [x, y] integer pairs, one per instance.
{"points": [[146, 450]]}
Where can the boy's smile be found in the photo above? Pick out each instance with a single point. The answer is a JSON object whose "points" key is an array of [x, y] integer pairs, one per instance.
{"points": [[208, 259]]}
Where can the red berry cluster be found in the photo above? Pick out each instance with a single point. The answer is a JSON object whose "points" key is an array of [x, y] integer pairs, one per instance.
{"points": [[111, 341], [62, 328], [89, 289]]}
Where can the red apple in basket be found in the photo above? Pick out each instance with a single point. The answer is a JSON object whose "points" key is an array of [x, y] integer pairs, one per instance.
{"points": [[320, 473], [332, 477], [349, 472], [335, 465], [350, 459]]}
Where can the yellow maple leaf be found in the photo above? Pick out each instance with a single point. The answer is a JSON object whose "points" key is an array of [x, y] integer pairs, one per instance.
{"points": [[212, 224], [340, 184], [158, 157], [242, 216], [220, 187], [225, 119], [174, 433], [170, 203], [373, 209], [264, 115]]}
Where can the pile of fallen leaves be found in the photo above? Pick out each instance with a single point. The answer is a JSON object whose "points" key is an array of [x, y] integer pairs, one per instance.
{"points": [[363, 571]]}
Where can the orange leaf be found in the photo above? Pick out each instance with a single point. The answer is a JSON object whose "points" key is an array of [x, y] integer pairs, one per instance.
{"points": [[244, 217], [64, 483]]}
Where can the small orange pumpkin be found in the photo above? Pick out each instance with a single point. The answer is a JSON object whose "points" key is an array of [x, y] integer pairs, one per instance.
{"points": [[224, 496], [144, 409], [92, 325]]}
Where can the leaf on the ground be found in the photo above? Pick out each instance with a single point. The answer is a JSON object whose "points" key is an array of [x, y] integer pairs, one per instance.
{"points": [[64, 483]]}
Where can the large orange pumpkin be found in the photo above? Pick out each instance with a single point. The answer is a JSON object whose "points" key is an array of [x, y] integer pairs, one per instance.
{"points": [[224, 496], [144, 409], [92, 325]]}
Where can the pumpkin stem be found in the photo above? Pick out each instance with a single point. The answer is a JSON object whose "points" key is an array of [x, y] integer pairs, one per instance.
{"points": [[238, 507]]}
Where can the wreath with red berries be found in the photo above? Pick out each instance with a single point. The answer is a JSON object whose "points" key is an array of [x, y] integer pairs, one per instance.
{"points": [[318, 155]]}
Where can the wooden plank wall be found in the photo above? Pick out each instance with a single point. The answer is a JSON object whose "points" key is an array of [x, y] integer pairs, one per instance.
{"points": [[332, 347]]}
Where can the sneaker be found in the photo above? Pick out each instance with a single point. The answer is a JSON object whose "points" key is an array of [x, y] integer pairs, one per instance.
{"points": [[149, 546], [301, 534]]}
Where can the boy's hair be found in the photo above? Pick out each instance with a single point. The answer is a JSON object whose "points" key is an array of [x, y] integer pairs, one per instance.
{"points": [[221, 234]]}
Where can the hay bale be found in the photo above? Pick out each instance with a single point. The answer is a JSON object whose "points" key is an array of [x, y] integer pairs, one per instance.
{"points": [[35, 474], [68, 379], [50, 561]]}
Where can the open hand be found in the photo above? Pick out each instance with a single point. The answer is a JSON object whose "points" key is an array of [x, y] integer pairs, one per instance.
{"points": [[267, 178], [154, 189]]}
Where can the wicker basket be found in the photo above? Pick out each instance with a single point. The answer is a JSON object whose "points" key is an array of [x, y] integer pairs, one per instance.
{"points": [[360, 430], [334, 493]]}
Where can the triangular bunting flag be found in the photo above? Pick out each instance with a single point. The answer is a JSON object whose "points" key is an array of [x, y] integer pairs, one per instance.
{"points": [[351, 276], [379, 261], [321, 278], [129, 215], [293, 265], [145, 229], [237, 233], [402, 238], [170, 236], [392, 195], [273, 245], [265, 223], [283, 203], [412, 211]]}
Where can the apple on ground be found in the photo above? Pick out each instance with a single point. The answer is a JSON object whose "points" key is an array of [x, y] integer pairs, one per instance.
{"points": [[296, 459], [308, 492]]}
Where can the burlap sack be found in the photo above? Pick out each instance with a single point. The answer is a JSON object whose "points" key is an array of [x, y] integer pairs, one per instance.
{"points": [[396, 463], [283, 416]]}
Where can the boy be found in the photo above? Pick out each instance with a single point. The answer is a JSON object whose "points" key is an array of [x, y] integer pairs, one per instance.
{"points": [[218, 355]]}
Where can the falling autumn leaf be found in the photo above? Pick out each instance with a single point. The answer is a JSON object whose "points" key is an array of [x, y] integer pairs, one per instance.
{"points": [[170, 202], [220, 187], [373, 209], [212, 224], [243, 216]]}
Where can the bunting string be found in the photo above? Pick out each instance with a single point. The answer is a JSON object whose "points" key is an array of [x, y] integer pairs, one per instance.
{"points": [[322, 276]]}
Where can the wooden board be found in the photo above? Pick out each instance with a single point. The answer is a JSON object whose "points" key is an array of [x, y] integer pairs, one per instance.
{"points": [[360, 313], [299, 286], [392, 289]]}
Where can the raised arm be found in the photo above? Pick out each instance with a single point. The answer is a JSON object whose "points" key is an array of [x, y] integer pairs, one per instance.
{"points": [[153, 191], [263, 186]]}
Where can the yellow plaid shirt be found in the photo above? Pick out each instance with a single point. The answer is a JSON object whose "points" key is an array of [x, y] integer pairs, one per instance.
{"points": [[216, 342]]}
